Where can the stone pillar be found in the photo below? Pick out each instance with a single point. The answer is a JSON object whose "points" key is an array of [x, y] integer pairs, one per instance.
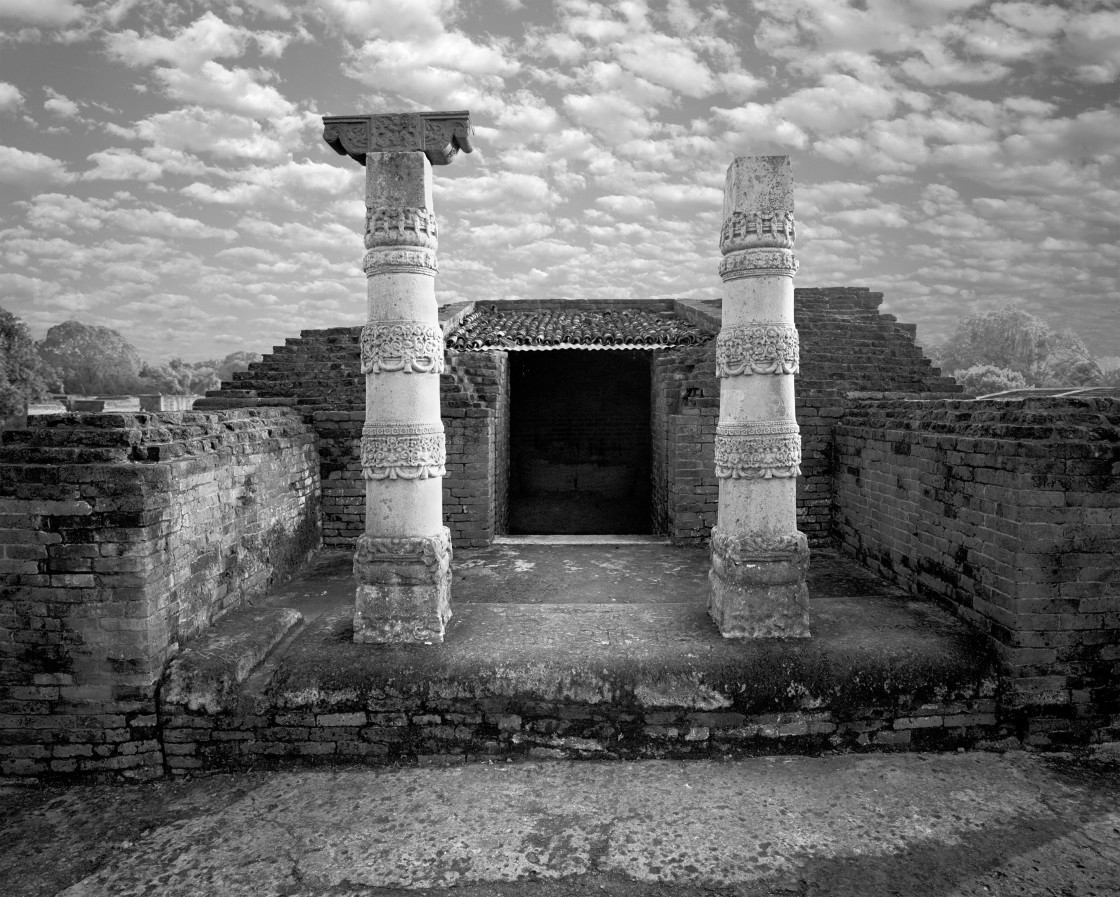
{"points": [[403, 560], [759, 559]]}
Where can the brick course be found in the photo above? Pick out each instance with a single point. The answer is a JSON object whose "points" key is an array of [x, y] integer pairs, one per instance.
{"points": [[1010, 512], [122, 535]]}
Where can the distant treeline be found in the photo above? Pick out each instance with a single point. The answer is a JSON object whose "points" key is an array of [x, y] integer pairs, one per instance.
{"points": [[85, 359]]}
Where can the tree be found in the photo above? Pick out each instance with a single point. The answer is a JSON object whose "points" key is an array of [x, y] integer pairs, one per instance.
{"points": [[984, 379], [235, 361], [22, 375], [1014, 340], [92, 360]]}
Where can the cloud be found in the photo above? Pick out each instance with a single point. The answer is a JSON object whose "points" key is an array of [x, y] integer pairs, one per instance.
{"points": [[205, 39], [41, 12], [60, 105], [222, 134], [121, 165], [31, 169], [293, 183], [194, 76], [11, 98], [1093, 43], [391, 19]]}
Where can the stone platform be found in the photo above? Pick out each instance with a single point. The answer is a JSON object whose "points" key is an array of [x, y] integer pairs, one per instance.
{"points": [[576, 648]]}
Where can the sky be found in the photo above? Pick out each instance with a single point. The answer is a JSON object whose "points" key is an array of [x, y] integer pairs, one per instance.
{"points": [[163, 173]]}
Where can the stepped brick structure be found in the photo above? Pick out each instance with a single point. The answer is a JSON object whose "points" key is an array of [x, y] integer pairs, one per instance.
{"points": [[847, 345]]}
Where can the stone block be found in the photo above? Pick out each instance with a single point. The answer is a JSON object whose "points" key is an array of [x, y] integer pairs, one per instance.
{"points": [[404, 589], [764, 597]]}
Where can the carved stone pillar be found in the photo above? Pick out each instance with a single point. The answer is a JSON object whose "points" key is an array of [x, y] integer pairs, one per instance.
{"points": [[759, 559], [403, 560]]}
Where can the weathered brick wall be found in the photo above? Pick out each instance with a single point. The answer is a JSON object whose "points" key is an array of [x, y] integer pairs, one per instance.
{"points": [[685, 412], [1010, 511], [846, 344], [319, 374], [122, 536]]}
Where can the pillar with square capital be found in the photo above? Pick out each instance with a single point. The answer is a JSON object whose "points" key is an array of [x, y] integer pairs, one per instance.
{"points": [[759, 559], [402, 562]]}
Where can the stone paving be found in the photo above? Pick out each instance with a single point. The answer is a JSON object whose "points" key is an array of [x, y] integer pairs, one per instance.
{"points": [[952, 825]]}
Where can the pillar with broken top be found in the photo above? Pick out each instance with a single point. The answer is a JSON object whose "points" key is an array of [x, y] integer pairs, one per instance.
{"points": [[759, 559], [402, 562]]}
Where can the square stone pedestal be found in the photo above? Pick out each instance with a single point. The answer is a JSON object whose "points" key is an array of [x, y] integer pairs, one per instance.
{"points": [[404, 589], [757, 586]]}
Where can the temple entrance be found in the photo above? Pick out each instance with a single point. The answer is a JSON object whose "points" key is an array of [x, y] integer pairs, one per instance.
{"points": [[579, 449]]}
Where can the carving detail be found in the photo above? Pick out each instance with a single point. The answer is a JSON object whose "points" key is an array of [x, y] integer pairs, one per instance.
{"points": [[403, 450], [757, 263], [738, 547], [768, 347], [408, 346], [395, 131], [439, 135], [348, 136], [432, 553], [391, 260], [749, 230], [759, 450], [400, 227]]}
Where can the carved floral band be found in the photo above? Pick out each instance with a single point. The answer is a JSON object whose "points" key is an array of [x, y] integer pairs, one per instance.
{"points": [[757, 263], [433, 552], [766, 347], [400, 227], [408, 346], [746, 230], [399, 261], [403, 450], [752, 545], [758, 450]]}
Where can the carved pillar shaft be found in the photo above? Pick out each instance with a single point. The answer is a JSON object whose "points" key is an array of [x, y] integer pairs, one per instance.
{"points": [[403, 560], [759, 559]]}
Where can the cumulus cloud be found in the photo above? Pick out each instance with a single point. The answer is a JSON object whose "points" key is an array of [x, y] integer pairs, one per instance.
{"points": [[117, 164], [31, 169], [41, 12], [192, 74], [223, 135], [60, 105], [11, 98]]}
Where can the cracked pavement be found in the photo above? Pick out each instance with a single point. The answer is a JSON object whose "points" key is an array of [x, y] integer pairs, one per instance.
{"points": [[909, 824]]}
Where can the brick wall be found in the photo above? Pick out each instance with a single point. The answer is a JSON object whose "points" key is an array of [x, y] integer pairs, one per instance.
{"points": [[685, 412], [846, 344], [1009, 511], [123, 535]]}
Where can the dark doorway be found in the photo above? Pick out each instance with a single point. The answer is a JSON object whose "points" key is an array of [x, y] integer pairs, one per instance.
{"points": [[579, 442]]}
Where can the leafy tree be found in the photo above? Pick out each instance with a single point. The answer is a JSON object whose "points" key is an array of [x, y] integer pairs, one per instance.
{"points": [[235, 361], [92, 360], [984, 379], [1014, 340], [23, 378]]}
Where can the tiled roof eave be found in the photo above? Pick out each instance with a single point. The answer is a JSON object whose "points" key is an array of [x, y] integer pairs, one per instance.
{"points": [[521, 347]]}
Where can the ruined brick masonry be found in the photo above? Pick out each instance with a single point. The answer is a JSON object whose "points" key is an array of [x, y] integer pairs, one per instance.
{"points": [[124, 535], [847, 344], [1010, 511]]}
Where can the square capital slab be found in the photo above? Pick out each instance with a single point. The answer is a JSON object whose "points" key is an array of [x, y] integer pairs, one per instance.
{"points": [[758, 185], [438, 135]]}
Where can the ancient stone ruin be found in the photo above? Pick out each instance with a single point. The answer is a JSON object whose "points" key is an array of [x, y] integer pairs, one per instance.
{"points": [[152, 619]]}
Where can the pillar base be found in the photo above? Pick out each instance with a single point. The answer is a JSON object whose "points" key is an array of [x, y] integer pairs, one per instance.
{"points": [[404, 589], [757, 585]]}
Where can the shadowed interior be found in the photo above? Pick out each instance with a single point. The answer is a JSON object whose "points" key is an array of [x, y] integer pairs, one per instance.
{"points": [[579, 442]]}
